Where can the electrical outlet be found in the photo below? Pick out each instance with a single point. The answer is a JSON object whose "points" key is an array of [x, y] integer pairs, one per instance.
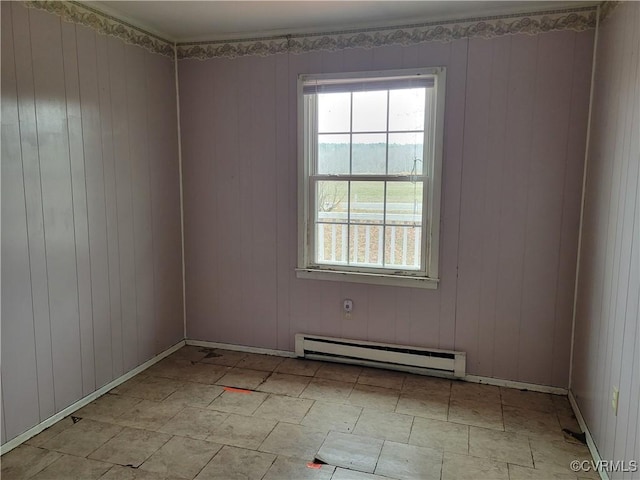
{"points": [[614, 400], [347, 307]]}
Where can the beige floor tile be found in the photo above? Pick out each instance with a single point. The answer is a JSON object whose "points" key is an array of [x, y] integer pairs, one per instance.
{"points": [[69, 467], [440, 435], [296, 469], [506, 447], [243, 378], [421, 405], [190, 352], [232, 463], [339, 372], [569, 422], [326, 416], [516, 472], [537, 401], [50, 432], [107, 408], [422, 385], [83, 438], [265, 363], [377, 398], [284, 409], [195, 395], [25, 461], [285, 384], [384, 425], [476, 413], [242, 403], [151, 388], [181, 457], [463, 467], [293, 441], [118, 472], [196, 423], [530, 422], [219, 356], [476, 392], [298, 366], [129, 383], [556, 455], [353, 452], [149, 415], [328, 390], [381, 378], [130, 447], [169, 367], [203, 373], [408, 462], [344, 474], [562, 405], [242, 431]]}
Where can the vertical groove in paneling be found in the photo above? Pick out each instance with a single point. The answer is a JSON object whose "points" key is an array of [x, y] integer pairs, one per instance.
{"points": [[68, 252], [19, 367], [451, 190], [606, 347], [112, 329], [80, 212], [57, 204], [34, 208]]}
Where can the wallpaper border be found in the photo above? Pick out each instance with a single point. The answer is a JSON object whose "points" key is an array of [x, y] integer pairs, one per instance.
{"points": [[577, 19], [82, 14]]}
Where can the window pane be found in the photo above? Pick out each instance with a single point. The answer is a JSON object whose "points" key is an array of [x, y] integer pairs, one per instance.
{"points": [[333, 154], [406, 109], [405, 153], [367, 202], [369, 153], [332, 201], [404, 203], [402, 247], [334, 112], [370, 111], [365, 245], [331, 243]]}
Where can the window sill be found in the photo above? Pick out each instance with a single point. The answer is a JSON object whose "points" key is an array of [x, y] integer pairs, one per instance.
{"points": [[370, 278]]}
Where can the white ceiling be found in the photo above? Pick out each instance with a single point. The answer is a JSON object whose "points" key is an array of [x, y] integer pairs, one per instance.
{"points": [[185, 21]]}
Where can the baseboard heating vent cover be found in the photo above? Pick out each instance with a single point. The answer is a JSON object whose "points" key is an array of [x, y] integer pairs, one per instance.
{"points": [[382, 355]]}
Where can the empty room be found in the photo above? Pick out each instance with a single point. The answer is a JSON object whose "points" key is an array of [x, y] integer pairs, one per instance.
{"points": [[324, 240]]}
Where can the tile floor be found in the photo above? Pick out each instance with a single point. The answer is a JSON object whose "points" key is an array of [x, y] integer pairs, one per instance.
{"points": [[217, 414]]}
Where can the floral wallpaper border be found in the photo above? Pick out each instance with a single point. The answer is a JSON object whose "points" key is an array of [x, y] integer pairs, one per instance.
{"points": [[577, 19], [82, 14]]}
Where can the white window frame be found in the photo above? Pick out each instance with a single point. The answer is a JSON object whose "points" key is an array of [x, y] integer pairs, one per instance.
{"points": [[427, 276]]}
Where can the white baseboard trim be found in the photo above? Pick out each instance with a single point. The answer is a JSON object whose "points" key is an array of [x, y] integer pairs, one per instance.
{"points": [[590, 443], [33, 431], [241, 348], [499, 382]]}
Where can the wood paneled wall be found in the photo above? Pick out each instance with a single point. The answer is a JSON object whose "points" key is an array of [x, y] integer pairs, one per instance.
{"points": [[515, 130], [91, 241], [607, 335]]}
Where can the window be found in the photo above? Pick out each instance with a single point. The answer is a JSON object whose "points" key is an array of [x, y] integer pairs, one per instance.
{"points": [[370, 147]]}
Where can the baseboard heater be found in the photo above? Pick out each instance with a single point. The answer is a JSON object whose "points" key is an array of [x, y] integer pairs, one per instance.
{"points": [[382, 355]]}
